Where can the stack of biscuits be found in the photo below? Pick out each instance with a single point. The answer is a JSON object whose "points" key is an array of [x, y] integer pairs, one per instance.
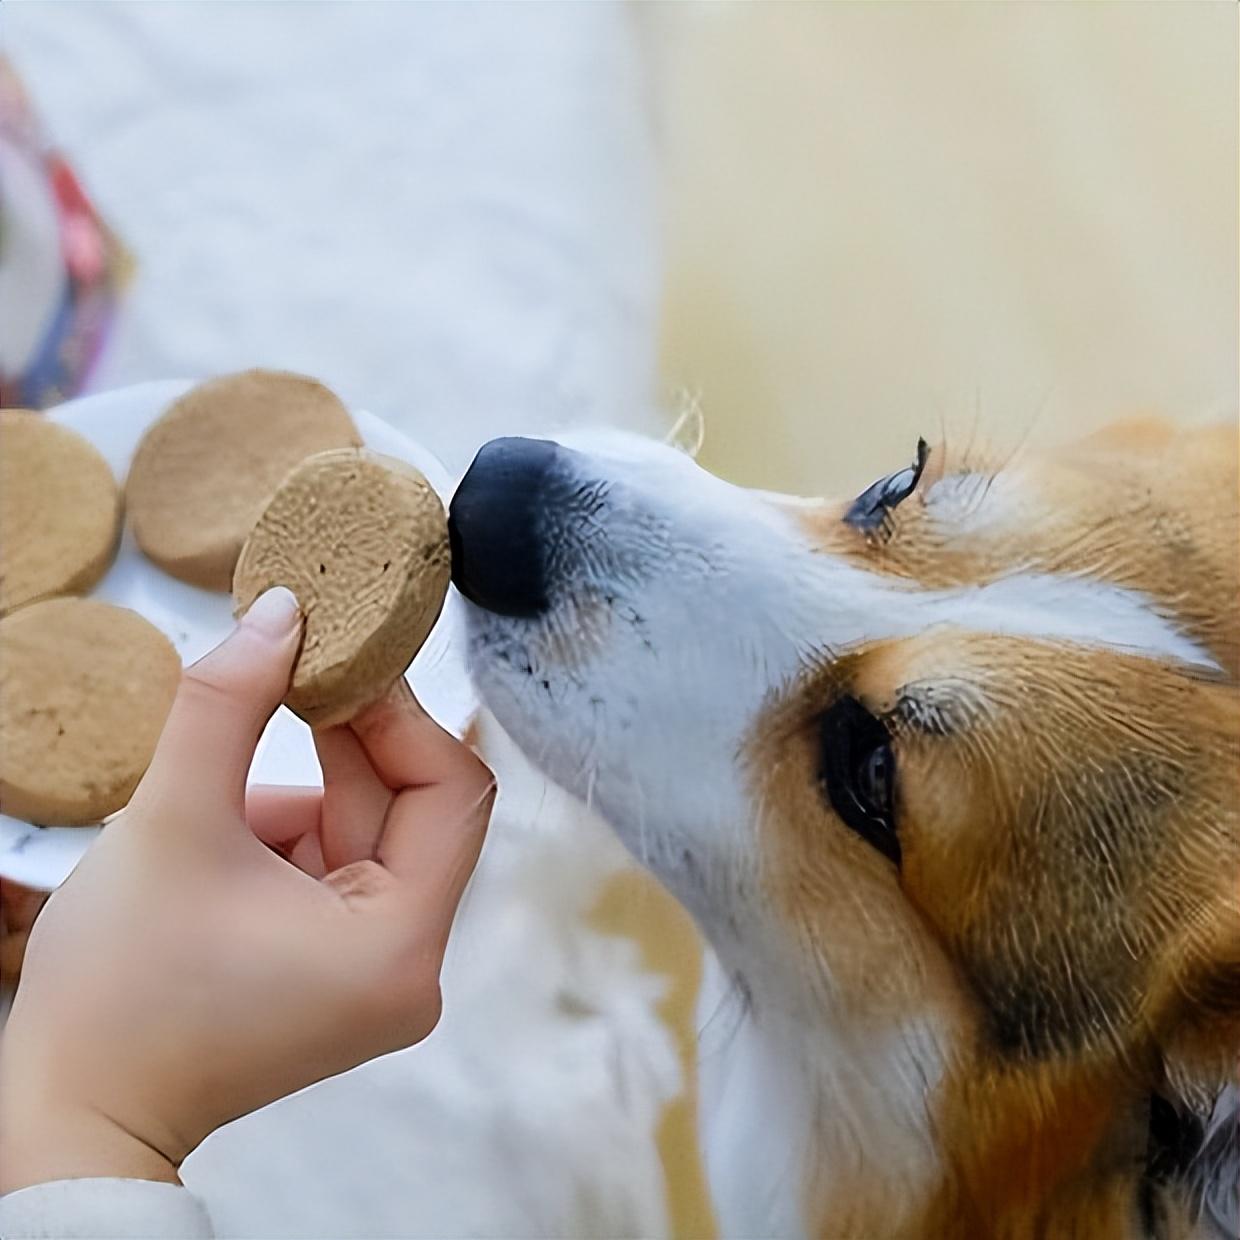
{"points": [[247, 481]]}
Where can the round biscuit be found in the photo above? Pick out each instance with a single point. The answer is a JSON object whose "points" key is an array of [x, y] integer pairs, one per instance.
{"points": [[206, 468], [60, 511], [85, 688], [362, 541]]}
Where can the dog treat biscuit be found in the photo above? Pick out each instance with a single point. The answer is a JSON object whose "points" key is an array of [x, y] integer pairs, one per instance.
{"points": [[85, 688], [203, 472], [362, 541], [60, 511]]}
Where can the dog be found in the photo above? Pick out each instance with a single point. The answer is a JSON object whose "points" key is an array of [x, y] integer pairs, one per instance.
{"points": [[948, 776]]}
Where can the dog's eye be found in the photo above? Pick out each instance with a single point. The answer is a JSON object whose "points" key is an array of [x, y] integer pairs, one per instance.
{"points": [[876, 778], [858, 772]]}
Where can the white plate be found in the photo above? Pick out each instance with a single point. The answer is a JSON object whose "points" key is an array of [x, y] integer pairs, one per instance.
{"points": [[196, 620]]}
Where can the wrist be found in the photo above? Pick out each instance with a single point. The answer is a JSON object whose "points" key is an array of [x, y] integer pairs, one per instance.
{"points": [[66, 1143]]}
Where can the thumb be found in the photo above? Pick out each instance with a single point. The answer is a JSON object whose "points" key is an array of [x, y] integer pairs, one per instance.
{"points": [[223, 705]]}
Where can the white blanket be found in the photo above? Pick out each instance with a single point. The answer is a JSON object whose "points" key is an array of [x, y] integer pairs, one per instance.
{"points": [[445, 213]]}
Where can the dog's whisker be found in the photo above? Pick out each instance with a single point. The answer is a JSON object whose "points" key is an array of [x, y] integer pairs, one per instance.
{"points": [[688, 433]]}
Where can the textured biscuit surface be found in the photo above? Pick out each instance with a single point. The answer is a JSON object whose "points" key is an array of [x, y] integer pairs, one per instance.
{"points": [[362, 541], [85, 688], [60, 511], [204, 471]]}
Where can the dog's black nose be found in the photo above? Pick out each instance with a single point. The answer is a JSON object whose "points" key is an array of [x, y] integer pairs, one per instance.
{"points": [[498, 560]]}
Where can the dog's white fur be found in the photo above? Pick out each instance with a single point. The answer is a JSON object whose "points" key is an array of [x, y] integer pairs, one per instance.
{"points": [[639, 692], [719, 588]]}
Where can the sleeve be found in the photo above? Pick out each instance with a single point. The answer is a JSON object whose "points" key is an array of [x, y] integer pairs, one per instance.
{"points": [[103, 1209]]}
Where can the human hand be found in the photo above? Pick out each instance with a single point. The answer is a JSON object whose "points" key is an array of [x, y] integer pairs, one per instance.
{"points": [[214, 952], [18, 908]]}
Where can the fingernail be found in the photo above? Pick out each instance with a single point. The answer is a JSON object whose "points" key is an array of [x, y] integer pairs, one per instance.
{"points": [[274, 612]]}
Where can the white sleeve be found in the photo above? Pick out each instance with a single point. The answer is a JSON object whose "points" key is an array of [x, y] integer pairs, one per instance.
{"points": [[103, 1209]]}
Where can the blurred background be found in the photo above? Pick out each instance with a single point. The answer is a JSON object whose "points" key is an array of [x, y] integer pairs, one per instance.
{"points": [[870, 221], [829, 227], [884, 218]]}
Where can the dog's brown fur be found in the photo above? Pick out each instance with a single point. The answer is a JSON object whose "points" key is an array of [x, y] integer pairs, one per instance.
{"points": [[1067, 910], [948, 775]]}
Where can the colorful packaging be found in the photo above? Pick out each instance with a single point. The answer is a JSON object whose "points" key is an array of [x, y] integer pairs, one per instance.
{"points": [[61, 267]]}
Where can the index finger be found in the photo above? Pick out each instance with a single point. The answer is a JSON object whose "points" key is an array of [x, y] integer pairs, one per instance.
{"points": [[431, 843], [435, 827], [408, 749]]}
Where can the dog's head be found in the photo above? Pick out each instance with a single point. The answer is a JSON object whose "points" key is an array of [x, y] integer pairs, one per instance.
{"points": [[962, 748]]}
